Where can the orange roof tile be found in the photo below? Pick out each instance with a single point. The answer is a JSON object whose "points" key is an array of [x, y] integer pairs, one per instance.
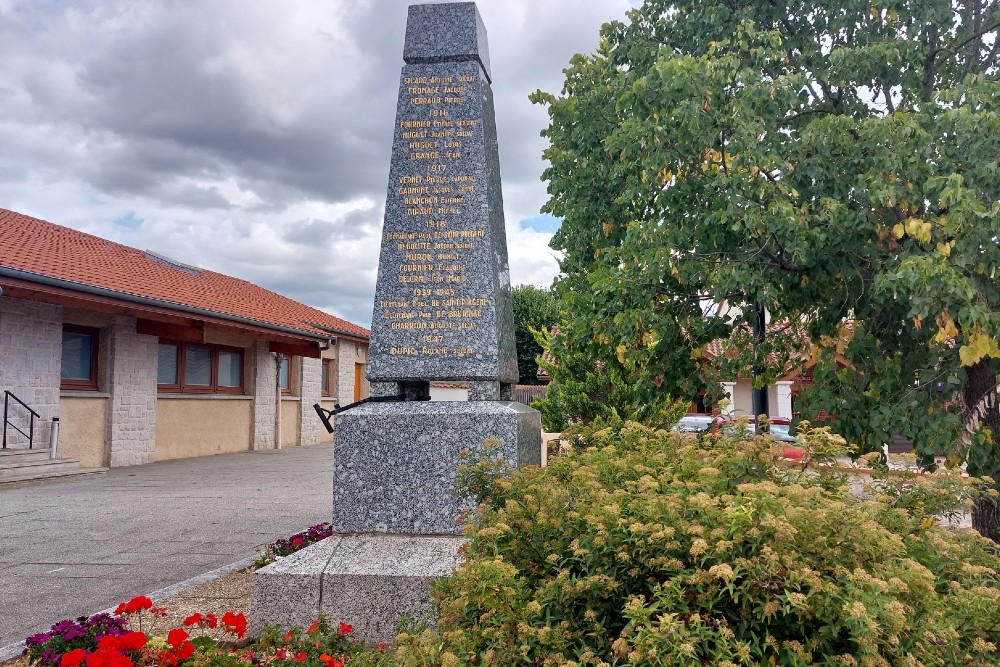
{"points": [[46, 249]]}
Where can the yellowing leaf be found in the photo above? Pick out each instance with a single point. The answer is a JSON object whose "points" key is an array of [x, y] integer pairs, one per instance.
{"points": [[620, 353], [926, 523], [918, 229], [947, 330], [644, 176], [918, 322], [945, 248], [607, 227], [979, 346], [967, 355], [924, 235], [899, 230]]}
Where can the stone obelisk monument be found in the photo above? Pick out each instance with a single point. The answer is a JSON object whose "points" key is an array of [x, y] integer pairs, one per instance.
{"points": [[442, 312]]}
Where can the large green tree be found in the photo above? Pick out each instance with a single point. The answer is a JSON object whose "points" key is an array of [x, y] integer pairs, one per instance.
{"points": [[834, 162], [534, 308]]}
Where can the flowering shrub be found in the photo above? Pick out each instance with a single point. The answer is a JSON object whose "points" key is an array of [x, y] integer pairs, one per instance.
{"points": [[47, 648], [657, 548], [290, 545], [106, 641]]}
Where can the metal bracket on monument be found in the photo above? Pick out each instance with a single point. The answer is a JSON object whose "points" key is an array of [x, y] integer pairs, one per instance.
{"points": [[324, 414]]}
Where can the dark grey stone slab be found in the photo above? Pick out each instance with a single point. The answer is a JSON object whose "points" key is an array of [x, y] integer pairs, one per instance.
{"points": [[442, 298], [450, 32], [394, 463]]}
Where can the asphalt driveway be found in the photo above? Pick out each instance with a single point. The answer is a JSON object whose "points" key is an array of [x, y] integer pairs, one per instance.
{"points": [[76, 547]]}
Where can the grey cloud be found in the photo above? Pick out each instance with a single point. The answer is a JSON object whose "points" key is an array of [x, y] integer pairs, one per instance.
{"points": [[312, 232], [240, 133]]}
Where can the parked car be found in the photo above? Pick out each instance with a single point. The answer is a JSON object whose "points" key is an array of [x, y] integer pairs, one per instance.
{"points": [[779, 428], [735, 428], [694, 423]]}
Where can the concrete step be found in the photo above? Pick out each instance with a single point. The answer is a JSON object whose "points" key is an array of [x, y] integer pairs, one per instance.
{"points": [[38, 477], [8, 456], [41, 467]]}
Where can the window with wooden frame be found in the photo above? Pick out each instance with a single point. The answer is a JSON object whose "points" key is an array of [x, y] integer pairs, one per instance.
{"points": [[286, 375], [326, 379], [196, 368], [79, 357]]}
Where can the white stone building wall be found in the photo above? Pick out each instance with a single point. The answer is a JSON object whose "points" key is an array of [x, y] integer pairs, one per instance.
{"points": [[350, 353], [132, 364], [30, 361], [264, 396], [310, 392]]}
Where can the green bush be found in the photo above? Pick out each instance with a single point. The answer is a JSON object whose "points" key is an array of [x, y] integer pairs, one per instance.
{"points": [[653, 548]]}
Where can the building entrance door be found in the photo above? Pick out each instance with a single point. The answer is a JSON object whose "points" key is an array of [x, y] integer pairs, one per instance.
{"points": [[359, 381]]}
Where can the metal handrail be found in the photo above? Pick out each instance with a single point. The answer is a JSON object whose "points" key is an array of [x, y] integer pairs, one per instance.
{"points": [[30, 435]]}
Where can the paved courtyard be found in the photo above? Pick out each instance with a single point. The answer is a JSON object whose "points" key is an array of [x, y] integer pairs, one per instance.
{"points": [[75, 547]]}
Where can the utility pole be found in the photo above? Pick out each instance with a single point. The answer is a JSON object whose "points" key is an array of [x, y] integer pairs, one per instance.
{"points": [[760, 406]]}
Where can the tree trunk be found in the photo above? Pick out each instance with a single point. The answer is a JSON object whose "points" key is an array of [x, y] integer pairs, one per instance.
{"points": [[986, 518], [982, 380]]}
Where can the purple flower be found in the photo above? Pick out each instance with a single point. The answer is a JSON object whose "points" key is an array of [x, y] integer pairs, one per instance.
{"points": [[40, 638], [63, 626]]}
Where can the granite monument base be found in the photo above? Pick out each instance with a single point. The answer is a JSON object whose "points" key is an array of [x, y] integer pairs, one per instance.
{"points": [[372, 581], [394, 463]]}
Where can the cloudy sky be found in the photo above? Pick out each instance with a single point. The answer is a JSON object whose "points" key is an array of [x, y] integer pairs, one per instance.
{"points": [[253, 137]]}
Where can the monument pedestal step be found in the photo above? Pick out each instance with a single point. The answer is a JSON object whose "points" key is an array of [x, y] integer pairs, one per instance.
{"points": [[371, 581]]}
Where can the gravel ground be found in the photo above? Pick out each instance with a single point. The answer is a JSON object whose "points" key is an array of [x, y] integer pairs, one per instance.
{"points": [[230, 592]]}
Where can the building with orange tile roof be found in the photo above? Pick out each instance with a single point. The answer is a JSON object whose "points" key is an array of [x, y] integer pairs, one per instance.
{"points": [[143, 358]]}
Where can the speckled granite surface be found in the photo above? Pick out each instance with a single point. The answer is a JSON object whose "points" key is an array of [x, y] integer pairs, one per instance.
{"points": [[450, 32], [369, 581], [442, 298], [394, 463]]}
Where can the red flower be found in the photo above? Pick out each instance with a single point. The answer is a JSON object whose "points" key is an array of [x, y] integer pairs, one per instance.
{"points": [[382, 647], [166, 659], [106, 657], [314, 627], [301, 656], [345, 629], [73, 658], [235, 623], [136, 604], [109, 643], [330, 661], [185, 650], [288, 636], [158, 611], [192, 619], [297, 541], [212, 620], [176, 637], [281, 654], [132, 641]]}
